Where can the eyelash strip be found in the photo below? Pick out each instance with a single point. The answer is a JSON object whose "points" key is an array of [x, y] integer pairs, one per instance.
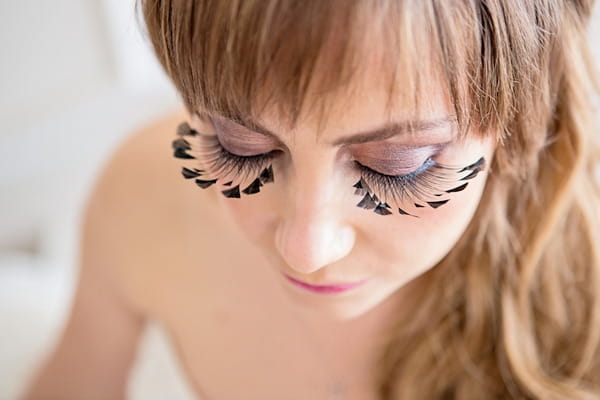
{"points": [[219, 164], [428, 185]]}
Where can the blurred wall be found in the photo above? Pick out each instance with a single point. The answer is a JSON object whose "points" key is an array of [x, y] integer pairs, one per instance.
{"points": [[75, 76], [54, 54]]}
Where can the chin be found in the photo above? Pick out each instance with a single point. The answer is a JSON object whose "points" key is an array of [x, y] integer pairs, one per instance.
{"points": [[345, 307]]}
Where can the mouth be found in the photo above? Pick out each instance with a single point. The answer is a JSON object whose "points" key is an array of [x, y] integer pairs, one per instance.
{"points": [[325, 289]]}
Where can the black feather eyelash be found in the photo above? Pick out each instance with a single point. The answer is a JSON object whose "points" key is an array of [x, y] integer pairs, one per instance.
{"points": [[218, 164], [223, 163], [429, 185]]}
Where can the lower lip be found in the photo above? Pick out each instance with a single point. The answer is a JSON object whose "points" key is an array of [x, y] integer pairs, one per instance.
{"points": [[332, 289]]}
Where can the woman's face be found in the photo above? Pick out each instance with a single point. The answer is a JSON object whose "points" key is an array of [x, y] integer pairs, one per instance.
{"points": [[307, 223]]}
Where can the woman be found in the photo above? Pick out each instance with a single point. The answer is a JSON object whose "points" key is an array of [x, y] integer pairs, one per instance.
{"points": [[361, 200]]}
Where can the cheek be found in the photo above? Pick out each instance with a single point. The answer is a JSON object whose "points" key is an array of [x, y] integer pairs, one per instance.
{"points": [[413, 245], [427, 239], [252, 215]]}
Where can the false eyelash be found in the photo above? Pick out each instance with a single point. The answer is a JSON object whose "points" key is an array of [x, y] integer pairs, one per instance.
{"points": [[224, 163], [428, 185], [414, 189], [219, 164]]}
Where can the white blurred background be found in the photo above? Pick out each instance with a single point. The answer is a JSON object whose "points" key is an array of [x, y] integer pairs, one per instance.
{"points": [[76, 77]]}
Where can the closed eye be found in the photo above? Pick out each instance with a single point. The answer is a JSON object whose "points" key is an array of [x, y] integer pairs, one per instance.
{"points": [[222, 162], [424, 182]]}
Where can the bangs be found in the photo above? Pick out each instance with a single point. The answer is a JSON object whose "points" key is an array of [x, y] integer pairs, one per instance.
{"points": [[239, 59]]}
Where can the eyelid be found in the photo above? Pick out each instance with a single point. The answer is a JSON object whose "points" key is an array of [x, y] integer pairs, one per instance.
{"points": [[266, 154], [400, 161], [251, 155], [222, 163], [241, 141], [411, 173]]}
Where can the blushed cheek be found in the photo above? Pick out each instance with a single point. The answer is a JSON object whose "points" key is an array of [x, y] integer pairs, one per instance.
{"points": [[414, 245], [445, 224], [253, 215]]}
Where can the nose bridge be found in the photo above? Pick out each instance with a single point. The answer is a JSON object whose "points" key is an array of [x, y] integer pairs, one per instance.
{"points": [[312, 230], [311, 189]]}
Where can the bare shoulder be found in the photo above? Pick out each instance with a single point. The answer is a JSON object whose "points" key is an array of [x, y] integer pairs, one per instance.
{"points": [[138, 175], [141, 160], [140, 192], [124, 237]]}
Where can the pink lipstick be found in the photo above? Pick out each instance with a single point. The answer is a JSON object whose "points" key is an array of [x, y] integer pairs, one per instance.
{"points": [[326, 289]]}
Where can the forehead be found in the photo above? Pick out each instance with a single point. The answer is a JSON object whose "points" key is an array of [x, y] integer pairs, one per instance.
{"points": [[377, 94]]}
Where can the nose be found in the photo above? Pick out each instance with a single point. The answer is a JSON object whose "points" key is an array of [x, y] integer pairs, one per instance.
{"points": [[312, 231]]}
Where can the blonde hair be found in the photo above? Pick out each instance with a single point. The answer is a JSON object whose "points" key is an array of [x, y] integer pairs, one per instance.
{"points": [[514, 309]]}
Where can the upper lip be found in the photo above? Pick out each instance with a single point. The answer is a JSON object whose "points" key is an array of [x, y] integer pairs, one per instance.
{"points": [[331, 285]]}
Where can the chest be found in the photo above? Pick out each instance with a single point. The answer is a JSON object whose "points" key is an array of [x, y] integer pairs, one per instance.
{"points": [[231, 338], [233, 343]]}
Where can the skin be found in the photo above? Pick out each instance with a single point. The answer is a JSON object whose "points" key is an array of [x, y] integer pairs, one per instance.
{"points": [[306, 224]]}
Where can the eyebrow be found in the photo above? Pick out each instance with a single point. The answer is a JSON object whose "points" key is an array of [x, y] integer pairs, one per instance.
{"points": [[387, 131], [394, 129]]}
